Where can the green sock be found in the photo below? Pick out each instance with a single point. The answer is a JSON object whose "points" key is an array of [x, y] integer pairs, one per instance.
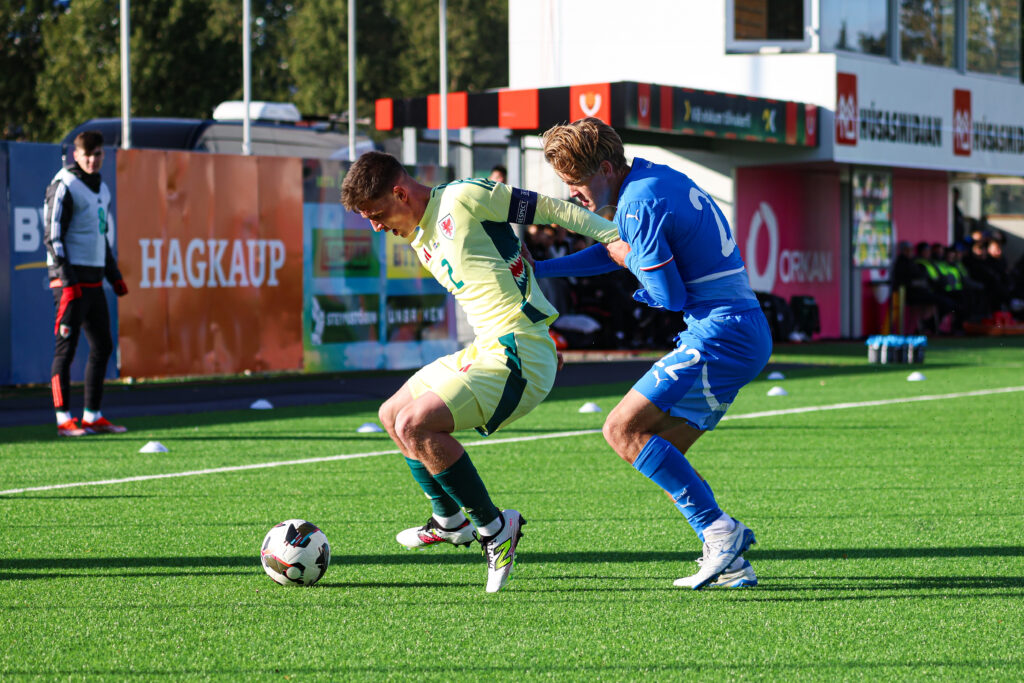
{"points": [[464, 485], [442, 504]]}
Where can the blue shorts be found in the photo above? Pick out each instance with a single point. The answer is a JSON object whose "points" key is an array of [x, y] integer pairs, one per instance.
{"points": [[713, 359]]}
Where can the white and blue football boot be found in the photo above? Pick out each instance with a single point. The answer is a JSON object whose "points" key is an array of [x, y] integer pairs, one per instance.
{"points": [[720, 550], [739, 574]]}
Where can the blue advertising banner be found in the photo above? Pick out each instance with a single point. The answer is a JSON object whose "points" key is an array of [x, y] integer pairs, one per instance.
{"points": [[368, 304], [30, 169]]}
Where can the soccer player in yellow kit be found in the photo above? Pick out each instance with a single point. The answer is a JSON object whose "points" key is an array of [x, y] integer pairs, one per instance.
{"points": [[461, 233]]}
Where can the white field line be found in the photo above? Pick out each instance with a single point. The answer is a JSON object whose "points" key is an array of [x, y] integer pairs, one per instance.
{"points": [[491, 442]]}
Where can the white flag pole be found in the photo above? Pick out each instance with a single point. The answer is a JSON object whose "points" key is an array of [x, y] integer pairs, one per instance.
{"points": [[246, 78], [126, 78], [352, 80], [444, 84]]}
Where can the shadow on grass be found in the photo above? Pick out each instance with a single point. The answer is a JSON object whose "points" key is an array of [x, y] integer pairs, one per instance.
{"points": [[12, 576], [462, 556], [874, 583]]}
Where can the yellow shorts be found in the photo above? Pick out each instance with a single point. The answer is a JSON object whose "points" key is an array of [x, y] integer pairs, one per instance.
{"points": [[490, 383]]}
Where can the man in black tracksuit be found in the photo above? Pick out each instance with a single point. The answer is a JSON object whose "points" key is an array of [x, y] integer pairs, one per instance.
{"points": [[79, 257]]}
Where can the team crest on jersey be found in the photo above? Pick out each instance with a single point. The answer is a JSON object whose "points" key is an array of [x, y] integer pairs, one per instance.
{"points": [[518, 269], [65, 331], [447, 226]]}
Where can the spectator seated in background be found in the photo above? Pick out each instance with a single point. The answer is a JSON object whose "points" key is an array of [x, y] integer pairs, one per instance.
{"points": [[986, 266], [926, 290]]}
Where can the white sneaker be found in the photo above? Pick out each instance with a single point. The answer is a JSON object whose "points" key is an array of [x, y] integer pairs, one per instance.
{"points": [[500, 550], [739, 574], [719, 552], [433, 533]]}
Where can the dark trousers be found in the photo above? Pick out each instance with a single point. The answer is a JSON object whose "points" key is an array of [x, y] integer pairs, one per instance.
{"points": [[87, 313]]}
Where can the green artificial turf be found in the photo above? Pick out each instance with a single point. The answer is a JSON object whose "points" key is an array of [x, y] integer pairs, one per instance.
{"points": [[891, 542]]}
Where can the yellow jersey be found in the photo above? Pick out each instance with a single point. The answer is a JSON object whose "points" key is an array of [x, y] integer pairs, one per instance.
{"points": [[466, 241]]}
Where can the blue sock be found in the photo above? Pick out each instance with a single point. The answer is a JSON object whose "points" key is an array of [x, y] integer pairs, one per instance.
{"points": [[700, 532], [662, 463]]}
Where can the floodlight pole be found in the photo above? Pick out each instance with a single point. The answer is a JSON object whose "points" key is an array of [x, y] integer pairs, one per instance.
{"points": [[352, 80], [126, 77], [443, 138], [246, 77]]}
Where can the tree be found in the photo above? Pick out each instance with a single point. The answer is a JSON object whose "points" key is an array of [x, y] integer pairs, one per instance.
{"points": [[319, 54], [61, 61], [477, 47], [397, 51], [21, 62], [186, 58]]}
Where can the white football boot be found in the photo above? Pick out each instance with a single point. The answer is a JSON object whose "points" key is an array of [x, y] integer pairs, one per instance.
{"points": [[500, 550], [719, 552], [433, 533], [739, 574]]}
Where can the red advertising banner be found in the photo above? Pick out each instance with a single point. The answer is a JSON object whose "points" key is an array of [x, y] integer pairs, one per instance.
{"points": [[211, 249], [787, 225]]}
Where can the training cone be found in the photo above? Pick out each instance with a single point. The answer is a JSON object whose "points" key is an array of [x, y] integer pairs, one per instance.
{"points": [[590, 407], [777, 391], [369, 428], [916, 376], [262, 404], [153, 447], [776, 375]]}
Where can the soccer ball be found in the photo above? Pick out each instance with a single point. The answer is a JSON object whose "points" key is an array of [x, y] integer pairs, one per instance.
{"points": [[295, 553]]}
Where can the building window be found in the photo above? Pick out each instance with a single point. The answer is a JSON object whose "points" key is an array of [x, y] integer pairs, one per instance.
{"points": [[993, 37], [767, 25], [855, 25], [928, 31]]}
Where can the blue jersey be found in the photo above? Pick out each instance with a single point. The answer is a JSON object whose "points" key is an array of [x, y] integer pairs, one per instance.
{"points": [[681, 248]]}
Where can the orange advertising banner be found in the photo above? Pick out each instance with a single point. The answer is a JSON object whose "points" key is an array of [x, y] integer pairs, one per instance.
{"points": [[210, 246]]}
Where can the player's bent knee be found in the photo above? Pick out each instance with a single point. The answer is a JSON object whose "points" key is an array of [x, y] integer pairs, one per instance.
{"points": [[386, 415], [616, 433], [405, 425]]}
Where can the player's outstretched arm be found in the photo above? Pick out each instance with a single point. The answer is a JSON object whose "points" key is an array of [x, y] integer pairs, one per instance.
{"points": [[575, 218], [593, 260]]}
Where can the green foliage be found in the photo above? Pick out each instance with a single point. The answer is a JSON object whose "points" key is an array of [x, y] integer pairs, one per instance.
{"points": [[477, 32], [21, 62], [319, 54], [62, 66]]}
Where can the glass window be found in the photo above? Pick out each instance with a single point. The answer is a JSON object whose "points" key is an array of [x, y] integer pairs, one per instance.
{"points": [[993, 37], [764, 20], [855, 25], [928, 29]]}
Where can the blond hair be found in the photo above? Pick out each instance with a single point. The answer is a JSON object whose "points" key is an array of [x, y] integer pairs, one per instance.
{"points": [[575, 150]]}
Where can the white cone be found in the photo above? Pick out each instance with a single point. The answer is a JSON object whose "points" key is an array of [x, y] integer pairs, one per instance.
{"points": [[916, 376], [776, 375], [777, 391], [261, 404], [153, 447], [590, 407], [369, 428]]}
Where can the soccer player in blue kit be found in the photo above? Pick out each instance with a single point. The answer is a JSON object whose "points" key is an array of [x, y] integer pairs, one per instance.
{"points": [[675, 240]]}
